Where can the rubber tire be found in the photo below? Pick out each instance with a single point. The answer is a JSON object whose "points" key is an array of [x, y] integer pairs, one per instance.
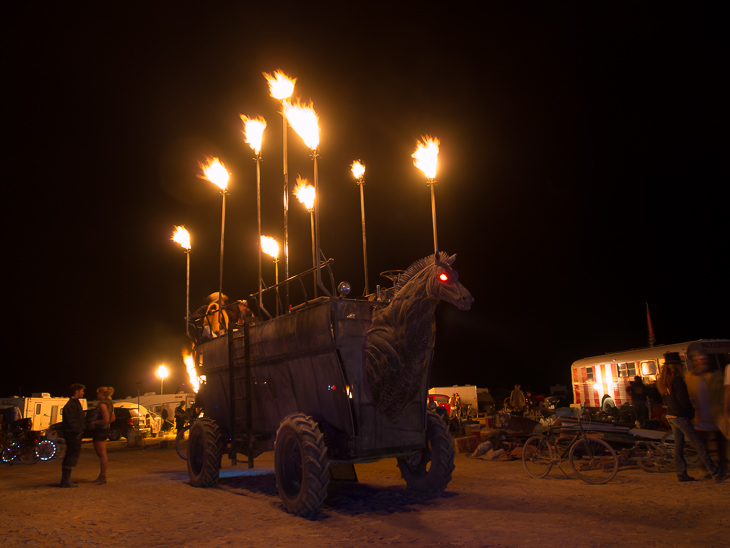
{"points": [[181, 442], [46, 450], [691, 455], [27, 454], [60, 444], [439, 452], [301, 465], [602, 472], [205, 452], [114, 433], [537, 456]]}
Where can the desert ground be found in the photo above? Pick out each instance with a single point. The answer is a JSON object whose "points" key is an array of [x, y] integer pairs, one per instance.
{"points": [[148, 501]]}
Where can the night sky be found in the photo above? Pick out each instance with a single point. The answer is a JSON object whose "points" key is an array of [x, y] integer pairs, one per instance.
{"points": [[580, 175]]}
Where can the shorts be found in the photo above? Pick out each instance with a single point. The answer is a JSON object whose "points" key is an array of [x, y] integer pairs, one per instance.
{"points": [[100, 435]]}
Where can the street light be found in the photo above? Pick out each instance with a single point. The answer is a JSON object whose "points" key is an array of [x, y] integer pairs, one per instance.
{"points": [[253, 131], [182, 237], [215, 172], [306, 195], [426, 159], [305, 123], [271, 247], [162, 372], [281, 88], [358, 170]]}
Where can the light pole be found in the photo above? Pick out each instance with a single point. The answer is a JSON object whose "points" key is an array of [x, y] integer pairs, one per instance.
{"points": [[306, 124], [182, 237], [281, 88], [307, 195], [426, 159], [216, 173], [271, 247], [162, 373], [358, 170], [254, 135]]}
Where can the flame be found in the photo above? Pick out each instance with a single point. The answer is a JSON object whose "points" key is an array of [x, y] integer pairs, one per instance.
{"points": [[190, 368], [304, 121], [182, 237], [358, 170], [270, 246], [216, 173], [280, 85], [305, 193], [426, 156], [253, 131]]}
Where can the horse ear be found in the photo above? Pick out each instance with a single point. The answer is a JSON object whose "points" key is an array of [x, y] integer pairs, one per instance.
{"points": [[437, 260], [451, 259]]}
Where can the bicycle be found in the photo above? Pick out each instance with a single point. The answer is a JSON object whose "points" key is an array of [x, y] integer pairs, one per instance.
{"points": [[181, 441], [592, 459]]}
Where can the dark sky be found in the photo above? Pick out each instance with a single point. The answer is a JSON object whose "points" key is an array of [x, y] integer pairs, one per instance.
{"points": [[580, 174]]}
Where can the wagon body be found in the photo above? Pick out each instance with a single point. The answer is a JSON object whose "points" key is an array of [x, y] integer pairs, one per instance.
{"points": [[310, 361]]}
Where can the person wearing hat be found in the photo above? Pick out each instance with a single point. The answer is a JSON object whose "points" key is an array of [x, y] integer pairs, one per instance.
{"points": [[680, 413]]}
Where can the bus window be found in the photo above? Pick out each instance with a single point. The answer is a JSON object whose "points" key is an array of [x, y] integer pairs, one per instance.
{"points": [[589, 374], [627, 369], [648, 367]]}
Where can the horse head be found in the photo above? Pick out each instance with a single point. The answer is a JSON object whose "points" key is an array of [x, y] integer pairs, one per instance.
{"points": [[445, 286]]}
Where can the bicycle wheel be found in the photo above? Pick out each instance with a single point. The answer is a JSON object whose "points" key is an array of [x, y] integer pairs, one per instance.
{"points": [[27, 453], [181, 442], [657, 459], [60, 444], [593, 460], [10, 453], [691, 455], [537, 456], [46, 450]]}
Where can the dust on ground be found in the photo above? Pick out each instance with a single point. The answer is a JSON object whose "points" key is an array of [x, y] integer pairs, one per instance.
{"points": [[149, 502]]}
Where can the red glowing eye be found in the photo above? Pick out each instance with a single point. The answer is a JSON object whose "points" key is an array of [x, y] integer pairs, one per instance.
{"points": [[443, 277]]}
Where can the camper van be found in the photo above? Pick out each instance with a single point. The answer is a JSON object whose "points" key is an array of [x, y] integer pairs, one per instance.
{"points": [[43, 409], [610, 374], [156, 402]]}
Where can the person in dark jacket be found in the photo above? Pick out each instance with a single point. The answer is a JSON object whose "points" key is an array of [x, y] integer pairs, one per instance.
{"points": [[680, 413], [74, 422]]}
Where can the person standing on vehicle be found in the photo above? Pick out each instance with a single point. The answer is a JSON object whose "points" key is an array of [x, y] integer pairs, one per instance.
{"points": [[517, 400], [638, 392], [706, 393], [680, 413], [180, 416], [73, 429], [101, 418]]}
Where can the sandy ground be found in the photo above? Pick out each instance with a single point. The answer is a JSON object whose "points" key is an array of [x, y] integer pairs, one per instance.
{"points": [[149, 502]]}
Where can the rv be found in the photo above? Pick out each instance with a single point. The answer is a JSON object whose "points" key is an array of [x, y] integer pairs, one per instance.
{"points": [[610, 374], [156, 402], [43, 409]]}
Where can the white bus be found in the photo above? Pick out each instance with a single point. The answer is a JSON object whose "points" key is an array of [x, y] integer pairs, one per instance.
{"points": [[610, 374]]}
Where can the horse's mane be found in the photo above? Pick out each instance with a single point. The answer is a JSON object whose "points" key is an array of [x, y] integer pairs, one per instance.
{"points": [[416, 268]]}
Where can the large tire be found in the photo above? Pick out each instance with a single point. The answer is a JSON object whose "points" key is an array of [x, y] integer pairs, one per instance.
{"points": [[114, 433], [205, 451], [429, 470], [301, 465]]}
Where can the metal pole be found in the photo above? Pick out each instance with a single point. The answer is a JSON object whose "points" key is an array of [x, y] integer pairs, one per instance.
{"points": [[361, 183], [315, 153], [258, 210], [286, 217], [314, 248], [431, 183], [276, 277], [187, 296], [220, 276]]}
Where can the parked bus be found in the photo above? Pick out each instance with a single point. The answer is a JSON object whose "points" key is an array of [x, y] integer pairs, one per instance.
{"points": [[610, 374]]}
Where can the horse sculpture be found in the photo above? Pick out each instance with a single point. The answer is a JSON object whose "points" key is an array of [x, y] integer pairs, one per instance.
{"points": [[402, 334]]}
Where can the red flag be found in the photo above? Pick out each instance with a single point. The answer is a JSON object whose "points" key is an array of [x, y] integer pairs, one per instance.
{"points": [[652, 340]]}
